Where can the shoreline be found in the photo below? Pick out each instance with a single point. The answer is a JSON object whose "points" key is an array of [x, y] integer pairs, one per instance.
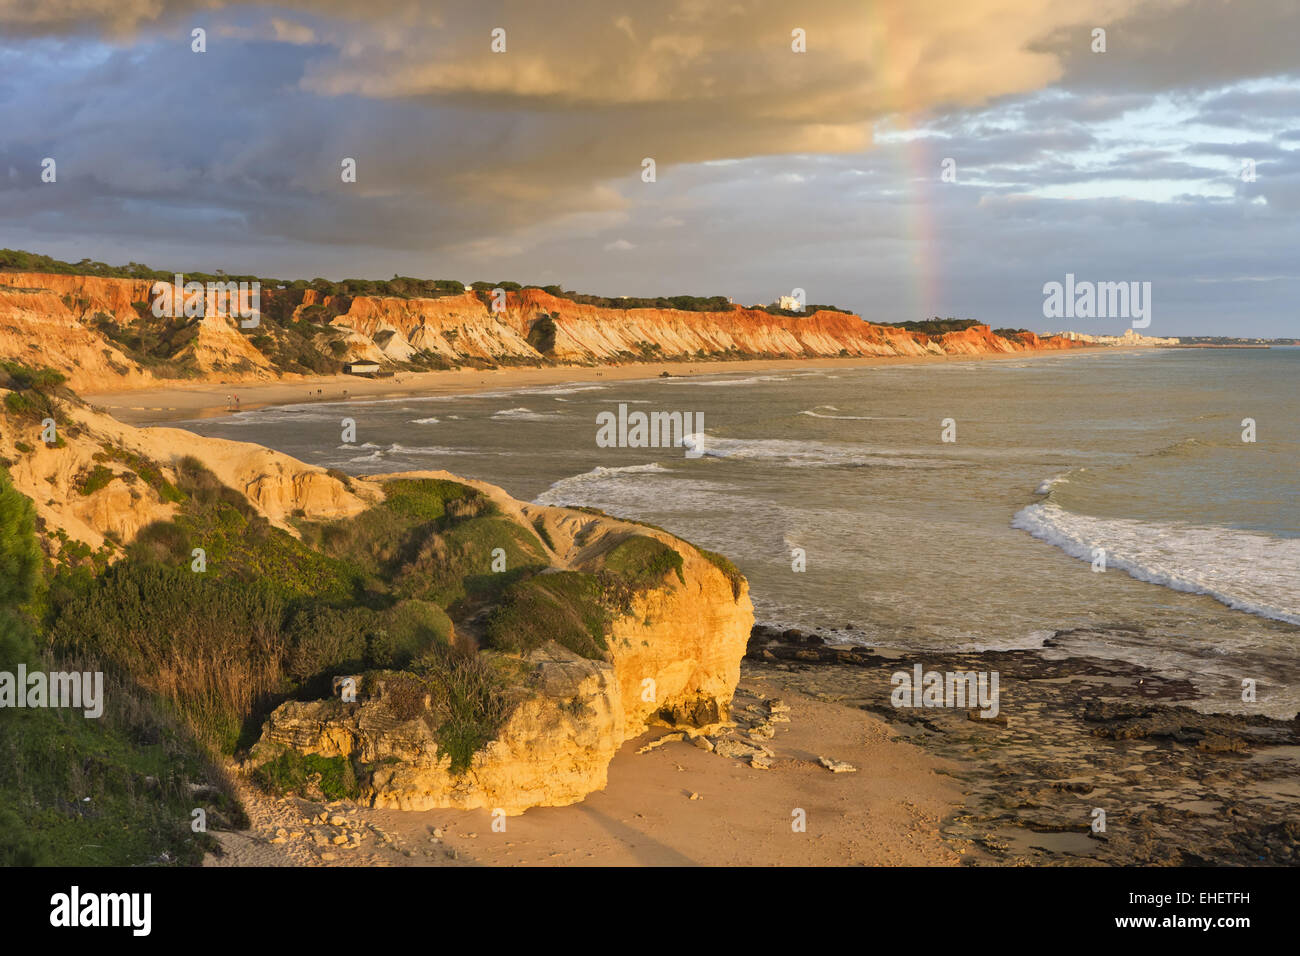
{"points": [[179, 401], [1176, 786]]}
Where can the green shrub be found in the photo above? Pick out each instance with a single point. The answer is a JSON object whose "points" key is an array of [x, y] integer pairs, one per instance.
{"points": [[95, 479], [148, 471], [426, 499], [20, 377], [643, 561], [723, 564], [19, 846], [540, 527], [325, 641], [470, 703], [196, 481], [292, 772], [31, 405], [569, 607], [115, 791], [20, 553], [214, 649], [457, 565], [405, 631]]}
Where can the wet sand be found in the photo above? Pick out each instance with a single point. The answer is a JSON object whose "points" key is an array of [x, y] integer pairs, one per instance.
{"points": [[204, 399]]}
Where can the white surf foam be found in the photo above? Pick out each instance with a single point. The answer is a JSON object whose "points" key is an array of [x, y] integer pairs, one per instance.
{"points": [[523, 414], [1245, 570], [1047, 484], [814, 413], [561, 389], [723, 382], [423, 450], [633, 491], [806, 453]]}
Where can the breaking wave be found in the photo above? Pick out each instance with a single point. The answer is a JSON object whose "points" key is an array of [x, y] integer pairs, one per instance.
{"points": [[806, 453], [523, 414], [1246, 570]]}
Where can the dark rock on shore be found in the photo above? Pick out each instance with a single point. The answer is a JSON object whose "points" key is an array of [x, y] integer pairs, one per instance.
{"points": [[1088, 761]]}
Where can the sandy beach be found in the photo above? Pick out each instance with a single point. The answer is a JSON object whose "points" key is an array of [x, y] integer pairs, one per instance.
{"points": [[203, 399], [888, 812]]}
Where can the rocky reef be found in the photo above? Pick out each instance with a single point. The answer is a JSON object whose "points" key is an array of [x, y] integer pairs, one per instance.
{"points": [[1088, 761]]}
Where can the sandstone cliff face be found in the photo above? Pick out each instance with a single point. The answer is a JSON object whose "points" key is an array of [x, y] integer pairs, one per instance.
{"points": [[48, 320], [455, 327], [87, 294], [39, 328], [220, 346], [586, 334], [52, 314], [976, 340], [54, 476]]}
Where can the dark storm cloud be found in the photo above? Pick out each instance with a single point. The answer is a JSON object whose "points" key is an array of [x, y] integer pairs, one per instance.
{"points": [[528, 164]]}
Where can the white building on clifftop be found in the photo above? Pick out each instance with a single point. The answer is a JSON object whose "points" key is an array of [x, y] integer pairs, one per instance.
{"points": [[1130, 339]]}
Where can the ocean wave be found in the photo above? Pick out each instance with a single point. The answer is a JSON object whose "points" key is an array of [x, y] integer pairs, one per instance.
{"points": [[806, 453], [603, 472], [1187, 446], [1047, 484], [632, 490], [270, 416], [523, 415], [561, 389], [719, 383], [1245, 570], [396, 449], [395, 452], [813, 413]]}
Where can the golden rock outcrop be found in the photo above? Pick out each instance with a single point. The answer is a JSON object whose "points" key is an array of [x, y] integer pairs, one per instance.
{"points": [[674, 660]]}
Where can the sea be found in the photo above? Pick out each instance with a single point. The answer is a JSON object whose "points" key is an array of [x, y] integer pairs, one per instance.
{"points": [[1133, 505]]}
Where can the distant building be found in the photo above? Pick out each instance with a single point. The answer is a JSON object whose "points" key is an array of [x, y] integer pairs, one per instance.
{"points": [[789, 303], [1129, 339], [360, 368]]}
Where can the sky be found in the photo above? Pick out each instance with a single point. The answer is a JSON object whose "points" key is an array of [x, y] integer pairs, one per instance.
{"points": [[915, 159]]}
